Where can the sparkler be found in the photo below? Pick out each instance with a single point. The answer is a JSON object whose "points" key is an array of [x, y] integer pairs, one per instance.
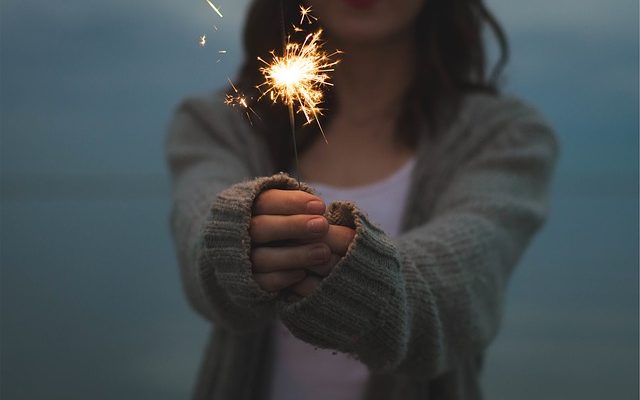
{"points": [[239, 100], [298, 77], [236, 99]]}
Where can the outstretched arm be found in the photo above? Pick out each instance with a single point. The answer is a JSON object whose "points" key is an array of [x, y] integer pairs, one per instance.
{"points": [[433, 297], [207, 158]]}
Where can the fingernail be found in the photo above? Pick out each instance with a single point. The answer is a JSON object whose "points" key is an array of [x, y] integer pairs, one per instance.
{"points": [[316, 225], [315, 207], [319, 255]]}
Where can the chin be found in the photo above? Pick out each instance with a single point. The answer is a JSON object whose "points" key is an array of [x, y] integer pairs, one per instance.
{"points": [[363, 34], [366, 21]]}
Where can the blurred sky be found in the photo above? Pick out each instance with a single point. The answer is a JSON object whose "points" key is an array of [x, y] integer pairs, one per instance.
{"points": [[90, 296]]}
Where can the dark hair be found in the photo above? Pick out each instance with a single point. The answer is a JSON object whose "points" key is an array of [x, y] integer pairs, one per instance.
{"points": [[451, 59]]}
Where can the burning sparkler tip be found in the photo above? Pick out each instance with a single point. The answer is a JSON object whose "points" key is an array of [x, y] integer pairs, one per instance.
{"points": [[298, 76]]}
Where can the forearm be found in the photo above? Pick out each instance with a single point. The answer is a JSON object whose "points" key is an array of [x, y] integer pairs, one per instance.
{"points": [[219, 276], [433, 297], [192, 214]]}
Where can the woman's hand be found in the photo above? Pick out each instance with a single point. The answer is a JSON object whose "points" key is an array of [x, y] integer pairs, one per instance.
{"points": [[338, 238], [290, 237], [286, 228]]}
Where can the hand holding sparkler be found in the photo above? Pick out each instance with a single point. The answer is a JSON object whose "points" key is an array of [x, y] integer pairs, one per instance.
{"points": [[315, 245]]}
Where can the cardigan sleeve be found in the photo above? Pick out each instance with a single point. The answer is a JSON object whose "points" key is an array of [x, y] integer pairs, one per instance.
{"points": [[431, 298], [211, 209]]}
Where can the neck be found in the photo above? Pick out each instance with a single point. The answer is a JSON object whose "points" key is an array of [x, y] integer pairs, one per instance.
{"points": [[372, 79]]}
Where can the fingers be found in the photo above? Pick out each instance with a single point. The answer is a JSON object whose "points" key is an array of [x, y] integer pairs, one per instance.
{"points": [[327, 267], [338, 238], [306, 286], [270, 228], [269, 259], [287, 202], [274, 281]]}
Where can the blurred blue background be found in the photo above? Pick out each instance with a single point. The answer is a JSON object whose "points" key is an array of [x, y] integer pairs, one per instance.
{"points": [[91, 301]]}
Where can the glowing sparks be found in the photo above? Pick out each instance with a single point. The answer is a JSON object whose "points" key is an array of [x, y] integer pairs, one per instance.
{"points": [[298, 77], [222, 54], [305, 14], [216, 9], [203, 41], [239, 100]]}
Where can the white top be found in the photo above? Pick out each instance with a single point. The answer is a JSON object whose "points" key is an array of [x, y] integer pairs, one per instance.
{"points": [[300, 371]]}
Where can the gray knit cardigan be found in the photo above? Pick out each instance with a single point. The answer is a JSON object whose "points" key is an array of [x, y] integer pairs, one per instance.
{"points": [[418, 310]]}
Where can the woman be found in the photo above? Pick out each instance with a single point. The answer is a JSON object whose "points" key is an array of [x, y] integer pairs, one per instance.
{"points": [[396, 293]]}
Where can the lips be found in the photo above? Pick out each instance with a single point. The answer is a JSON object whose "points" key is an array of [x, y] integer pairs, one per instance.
{"points": [[360, 3]]}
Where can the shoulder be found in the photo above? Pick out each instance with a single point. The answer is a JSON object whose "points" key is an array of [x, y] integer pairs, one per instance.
{"points": [[486, 109], [484, 119]]}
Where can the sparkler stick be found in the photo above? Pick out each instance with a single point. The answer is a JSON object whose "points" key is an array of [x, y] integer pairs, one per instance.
{"points": [[292, 117], [292, 123]]}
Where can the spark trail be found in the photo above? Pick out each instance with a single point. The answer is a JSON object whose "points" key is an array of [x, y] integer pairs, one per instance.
{"points": [[216, 9], [239, 100]]}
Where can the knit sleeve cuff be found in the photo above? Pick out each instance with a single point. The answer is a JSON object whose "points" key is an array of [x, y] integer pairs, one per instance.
{"points": [[360, 307], [227, 244]]}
